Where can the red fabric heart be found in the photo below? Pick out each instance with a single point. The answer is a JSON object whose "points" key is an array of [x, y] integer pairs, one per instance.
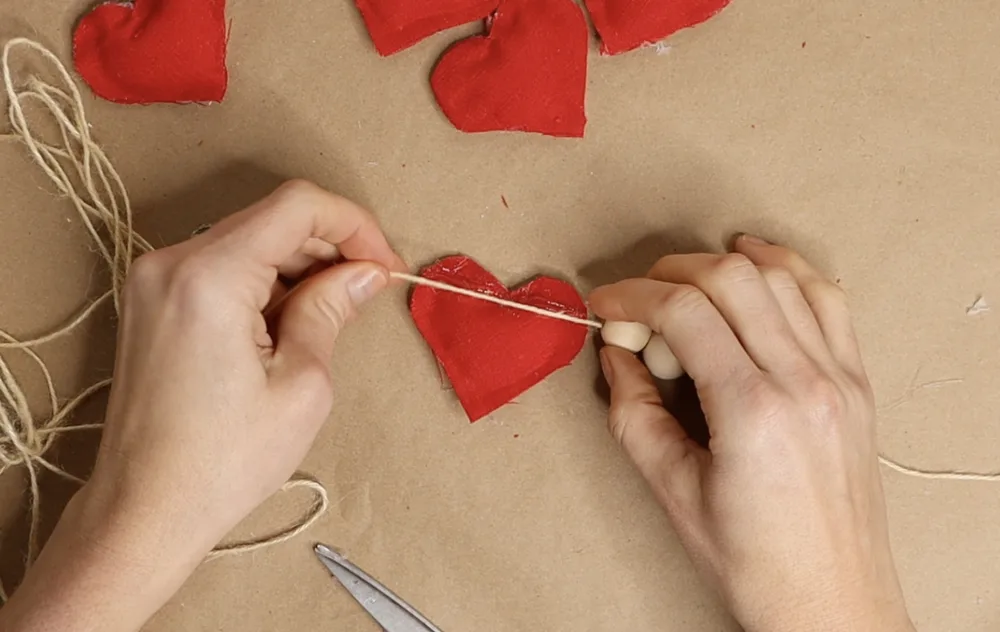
{"points": [[154, 51], [528, 73], [625, 25], [493, 353], [397, 24]]}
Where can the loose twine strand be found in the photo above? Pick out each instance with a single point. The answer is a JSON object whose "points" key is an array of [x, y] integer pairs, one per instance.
{"points": [[939, 475], [82, 173], [489, 298]]}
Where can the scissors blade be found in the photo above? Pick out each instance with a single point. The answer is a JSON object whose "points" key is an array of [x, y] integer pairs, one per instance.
{"points": [[391, 612]]}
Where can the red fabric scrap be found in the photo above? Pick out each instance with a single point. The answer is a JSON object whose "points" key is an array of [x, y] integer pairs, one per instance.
{"points": [[154, 51], [625, 25], [398, 24], [528, 73], [493, 353]]}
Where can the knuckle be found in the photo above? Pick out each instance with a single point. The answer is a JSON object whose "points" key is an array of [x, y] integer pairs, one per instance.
{"points": [[734, 263], [733, 266], [315, 384], [660, 269], [308, 390], [762, 400], [828, 292], [619, 418], [193, 281], [790, 260], [826, 401], [336, 312], [684, 299], [293, 190], [778, 278], [660, 263], [150, 267], [148, 274]]}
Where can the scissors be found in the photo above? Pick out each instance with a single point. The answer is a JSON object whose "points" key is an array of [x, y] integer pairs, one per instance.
{"points": [[388, 610]]}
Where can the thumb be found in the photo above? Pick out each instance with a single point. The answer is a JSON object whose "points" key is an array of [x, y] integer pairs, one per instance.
{"points": [[653, 438], [317, 310]]}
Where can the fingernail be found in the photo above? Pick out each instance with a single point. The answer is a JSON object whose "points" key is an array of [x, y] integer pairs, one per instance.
{"points": [[608, 368], [752, 239], [366, 285]]}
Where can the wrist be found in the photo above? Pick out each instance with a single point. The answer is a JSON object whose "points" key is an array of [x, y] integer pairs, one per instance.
{"points": [[836, 616], [102, 569], [135, 526], [819, 602]]}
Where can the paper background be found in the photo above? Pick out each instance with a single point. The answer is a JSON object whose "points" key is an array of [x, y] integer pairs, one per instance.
{"points": [[875, 149]]}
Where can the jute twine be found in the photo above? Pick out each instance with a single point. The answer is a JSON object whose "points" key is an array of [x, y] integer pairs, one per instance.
{"points": [[83, 174]]}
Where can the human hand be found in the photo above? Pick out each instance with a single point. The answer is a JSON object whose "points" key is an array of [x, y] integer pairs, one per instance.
{"points": [[221, 384], [784, 513], [219, 390]]}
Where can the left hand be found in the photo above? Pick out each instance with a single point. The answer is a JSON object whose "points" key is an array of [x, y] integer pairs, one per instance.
{"points": [[221, 384], [213, 407]]}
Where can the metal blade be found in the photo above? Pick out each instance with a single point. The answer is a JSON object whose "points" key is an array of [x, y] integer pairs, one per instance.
{"points": [[391, 612]]}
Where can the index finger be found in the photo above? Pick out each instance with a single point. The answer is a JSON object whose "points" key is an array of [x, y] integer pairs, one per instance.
{"points": [[298, 213], [694, 329]]}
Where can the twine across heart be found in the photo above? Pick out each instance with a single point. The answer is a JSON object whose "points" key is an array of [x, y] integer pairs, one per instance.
{"points": [[492, 353]]}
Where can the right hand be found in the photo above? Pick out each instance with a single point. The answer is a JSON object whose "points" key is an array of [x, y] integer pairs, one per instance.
{"points": [[784, 513]]}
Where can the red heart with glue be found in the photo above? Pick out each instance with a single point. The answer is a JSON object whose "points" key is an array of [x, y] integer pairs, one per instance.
{"points": [[154, 51], [493, 353], [628, 24], [528, 73], [397, 24]]}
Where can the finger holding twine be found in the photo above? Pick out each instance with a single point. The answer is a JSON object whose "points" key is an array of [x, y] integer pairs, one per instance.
{"points": [[83, 174]]}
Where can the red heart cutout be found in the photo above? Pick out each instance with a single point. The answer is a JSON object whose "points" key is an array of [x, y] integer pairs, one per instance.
{"points": [[397, 24], [493, 353], [152, 51], [528, 73], [625, 25]]}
